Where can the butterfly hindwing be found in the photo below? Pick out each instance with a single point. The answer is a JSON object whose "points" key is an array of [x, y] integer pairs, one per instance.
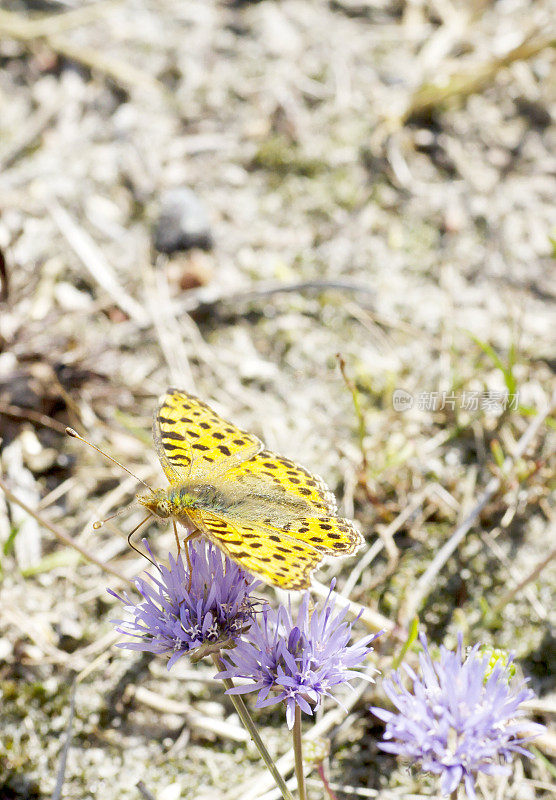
{"points": [[332, 536], [193, 441], [283, 557], [277, 561]]}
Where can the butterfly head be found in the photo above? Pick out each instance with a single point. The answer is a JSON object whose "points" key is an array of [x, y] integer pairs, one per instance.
{"points": [[157, 502]]}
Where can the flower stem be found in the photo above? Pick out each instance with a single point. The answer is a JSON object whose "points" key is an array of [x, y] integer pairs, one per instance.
{"points": [[247, 721], [298, 753], [325, 783]]}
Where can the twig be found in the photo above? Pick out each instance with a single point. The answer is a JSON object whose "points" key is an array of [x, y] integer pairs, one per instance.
{"points": [[385, 535], [61, 535], [490, 538], [33, 416], [207, 297], [540, 705], [425, 582], [144, 792], [121, 72], [361, 565], [346, 789], [4, 282], [325, 781]]}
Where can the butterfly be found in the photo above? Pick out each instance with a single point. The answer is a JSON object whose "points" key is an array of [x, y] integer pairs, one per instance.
{"points": [[267, 513]]}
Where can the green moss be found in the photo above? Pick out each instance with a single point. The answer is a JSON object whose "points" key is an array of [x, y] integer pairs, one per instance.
{"points": [[279, 155]]}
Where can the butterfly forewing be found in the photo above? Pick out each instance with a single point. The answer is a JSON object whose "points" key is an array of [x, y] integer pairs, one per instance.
{"points": [[193, 441], [279, 472]]}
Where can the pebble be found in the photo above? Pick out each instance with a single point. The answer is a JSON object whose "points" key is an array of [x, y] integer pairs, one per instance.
{"points": [[183, 222]]}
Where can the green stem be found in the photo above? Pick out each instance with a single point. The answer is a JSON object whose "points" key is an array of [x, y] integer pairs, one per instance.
{"points": [[298, 753], [247, 720]]}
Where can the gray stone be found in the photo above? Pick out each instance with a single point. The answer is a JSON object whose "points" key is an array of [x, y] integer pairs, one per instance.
{"points": [[183, 222]]}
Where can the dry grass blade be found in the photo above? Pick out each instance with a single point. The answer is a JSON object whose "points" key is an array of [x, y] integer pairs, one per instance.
{"points": [[35, 126], [196, 720], [168, 329], [463, 84], [386, 535], [57, 793], [47, 30], [93, 259], [533, 575], [425, 582], [61, 535], [12, 24], [372, 619]]}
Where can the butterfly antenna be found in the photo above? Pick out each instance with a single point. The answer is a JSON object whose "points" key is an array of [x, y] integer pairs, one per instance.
{"points": [[75, 435], [99, 523]]}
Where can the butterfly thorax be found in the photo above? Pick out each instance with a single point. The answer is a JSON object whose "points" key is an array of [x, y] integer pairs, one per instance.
{"points": [[238, 500], [178, 499]]}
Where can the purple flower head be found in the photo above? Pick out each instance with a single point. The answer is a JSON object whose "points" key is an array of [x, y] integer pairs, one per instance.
{"points": [[463, 715], [298, 659], [174, 620]]}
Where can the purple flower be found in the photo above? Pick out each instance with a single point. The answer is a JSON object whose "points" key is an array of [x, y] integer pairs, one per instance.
{"points": [[296, 660], [463, 716], [174, 620]]}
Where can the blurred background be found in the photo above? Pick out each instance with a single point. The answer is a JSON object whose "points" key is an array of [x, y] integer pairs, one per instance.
{"points": [[224, 196]]}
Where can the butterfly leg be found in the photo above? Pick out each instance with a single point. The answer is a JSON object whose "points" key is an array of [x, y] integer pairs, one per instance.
{"points": [[193, 535], [136, 548], [176, 535]]}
